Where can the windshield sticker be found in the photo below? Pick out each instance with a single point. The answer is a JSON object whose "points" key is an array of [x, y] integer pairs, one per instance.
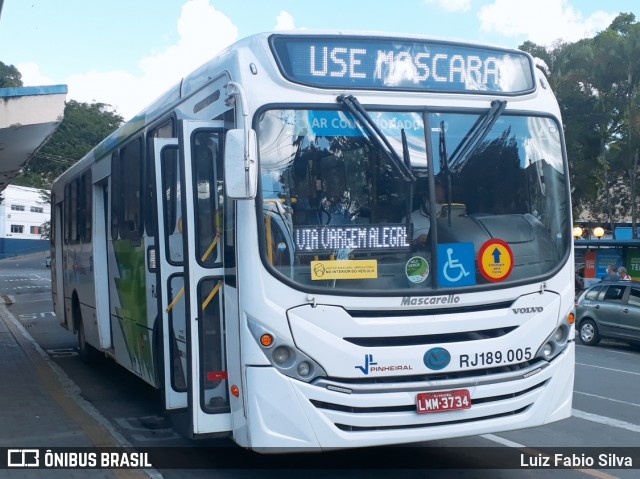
{"points": [[495, 260], [456, 264], [349, 269], [417, 269]]}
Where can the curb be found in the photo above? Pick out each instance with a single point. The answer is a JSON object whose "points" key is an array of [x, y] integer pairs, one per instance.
{"points": [[70, 390]]}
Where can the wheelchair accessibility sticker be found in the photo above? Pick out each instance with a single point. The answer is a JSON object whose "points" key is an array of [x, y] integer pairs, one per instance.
{"points": [[456, 264]]}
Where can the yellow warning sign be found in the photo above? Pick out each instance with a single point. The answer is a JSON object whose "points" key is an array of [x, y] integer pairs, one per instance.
{"points": [[495, 260], [348, 269]]}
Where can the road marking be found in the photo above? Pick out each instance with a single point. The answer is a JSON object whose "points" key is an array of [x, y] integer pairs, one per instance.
{"points": [[608, 369], [62, 353], [607, 421], [503, 441], [608, 399], [600, 348]]}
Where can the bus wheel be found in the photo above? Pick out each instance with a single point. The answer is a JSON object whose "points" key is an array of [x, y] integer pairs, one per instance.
{"points": [[86, 352]]}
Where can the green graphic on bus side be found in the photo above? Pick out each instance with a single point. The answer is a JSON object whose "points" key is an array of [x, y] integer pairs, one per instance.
{"points": [[131, 288]]}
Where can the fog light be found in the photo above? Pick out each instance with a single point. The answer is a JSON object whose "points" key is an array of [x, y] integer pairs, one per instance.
{"points": [[281, 355], [304, 368]]}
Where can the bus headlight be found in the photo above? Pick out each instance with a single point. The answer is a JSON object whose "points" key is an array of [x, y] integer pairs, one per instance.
{"points": [[281, 355], [555, 343], [285, 357]]}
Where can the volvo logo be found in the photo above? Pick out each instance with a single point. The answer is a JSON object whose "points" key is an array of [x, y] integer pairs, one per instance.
{"points": [[437, 358], [535, 309]]}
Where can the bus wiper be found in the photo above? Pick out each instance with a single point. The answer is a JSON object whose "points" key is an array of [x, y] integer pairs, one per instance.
{"points": [[352, 104], [476, 134]]}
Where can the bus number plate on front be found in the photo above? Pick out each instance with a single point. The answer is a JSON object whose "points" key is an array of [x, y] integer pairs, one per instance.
{"points": [[443, 401]]}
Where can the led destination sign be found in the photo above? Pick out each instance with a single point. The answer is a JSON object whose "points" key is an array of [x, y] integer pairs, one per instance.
{"points": [[382, 63], [318, 239]]}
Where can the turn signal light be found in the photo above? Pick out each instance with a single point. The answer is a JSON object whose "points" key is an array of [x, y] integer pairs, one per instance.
{"points": [[235, 391], [266, 340], [571, 318]]}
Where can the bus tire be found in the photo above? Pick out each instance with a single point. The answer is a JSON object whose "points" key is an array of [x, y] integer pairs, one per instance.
{"points": [[87, 353], [158, 354]]}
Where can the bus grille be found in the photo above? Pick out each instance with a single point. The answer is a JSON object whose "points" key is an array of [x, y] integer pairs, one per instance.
{"points": [[345, 427], [408, 415]]}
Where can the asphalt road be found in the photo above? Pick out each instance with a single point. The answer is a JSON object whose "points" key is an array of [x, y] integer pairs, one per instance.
{"points": [[606, 411]]}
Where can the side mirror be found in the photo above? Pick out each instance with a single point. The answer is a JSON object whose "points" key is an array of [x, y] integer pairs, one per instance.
{"points": [[240, 164]]}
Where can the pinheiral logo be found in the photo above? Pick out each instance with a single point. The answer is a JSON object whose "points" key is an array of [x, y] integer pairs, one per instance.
{"points": [[437, 358]]}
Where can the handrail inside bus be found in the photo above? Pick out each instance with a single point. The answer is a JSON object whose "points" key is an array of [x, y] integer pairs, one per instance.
{"points": [[211, 248]]}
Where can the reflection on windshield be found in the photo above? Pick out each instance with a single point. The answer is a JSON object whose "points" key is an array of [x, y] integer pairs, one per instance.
{"points": [[339, 214]]}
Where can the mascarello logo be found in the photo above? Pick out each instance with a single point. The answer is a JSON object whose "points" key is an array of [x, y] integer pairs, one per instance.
{"points": [[437, 358]]}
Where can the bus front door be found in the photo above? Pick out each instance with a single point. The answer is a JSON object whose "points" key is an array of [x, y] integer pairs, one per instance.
{"points": [[201, 153], [170, 264]]}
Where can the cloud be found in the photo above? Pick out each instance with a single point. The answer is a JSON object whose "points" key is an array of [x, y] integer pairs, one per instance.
{"points": [[542, 21], [32, 76], [203, 31], [122, 90], [284, 21], [452, 5]]}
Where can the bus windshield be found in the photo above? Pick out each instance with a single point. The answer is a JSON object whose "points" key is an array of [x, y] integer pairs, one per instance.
{"points": [[338, 213]]}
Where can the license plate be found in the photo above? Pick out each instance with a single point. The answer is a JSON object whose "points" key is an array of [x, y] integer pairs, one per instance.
{"points": [[443, 401]]}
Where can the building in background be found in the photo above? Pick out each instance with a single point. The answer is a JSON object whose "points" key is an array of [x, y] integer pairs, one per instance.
{"points": [[23, 211]]}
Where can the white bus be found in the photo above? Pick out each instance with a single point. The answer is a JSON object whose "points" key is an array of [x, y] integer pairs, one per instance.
{"points": [[260, 244]]}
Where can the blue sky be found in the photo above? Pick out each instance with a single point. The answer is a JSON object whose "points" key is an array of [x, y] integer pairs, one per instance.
{"points": [[128, 52]]}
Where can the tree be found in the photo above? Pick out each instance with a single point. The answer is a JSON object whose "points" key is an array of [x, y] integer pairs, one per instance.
{"points": [[567, 70], [9, 76], [84, 126], [45, 228], [597, 83]]}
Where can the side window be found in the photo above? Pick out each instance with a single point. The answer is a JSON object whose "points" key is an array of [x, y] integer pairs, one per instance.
{"points": [[613, 294], [66, 228], [172, 200], [116, 200], [72, 215], [228, 237], [85, 207], [130, 224], [165, 130], [209, 194], [78, 209], [54, 220], [593, 293], [634, 297]]}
